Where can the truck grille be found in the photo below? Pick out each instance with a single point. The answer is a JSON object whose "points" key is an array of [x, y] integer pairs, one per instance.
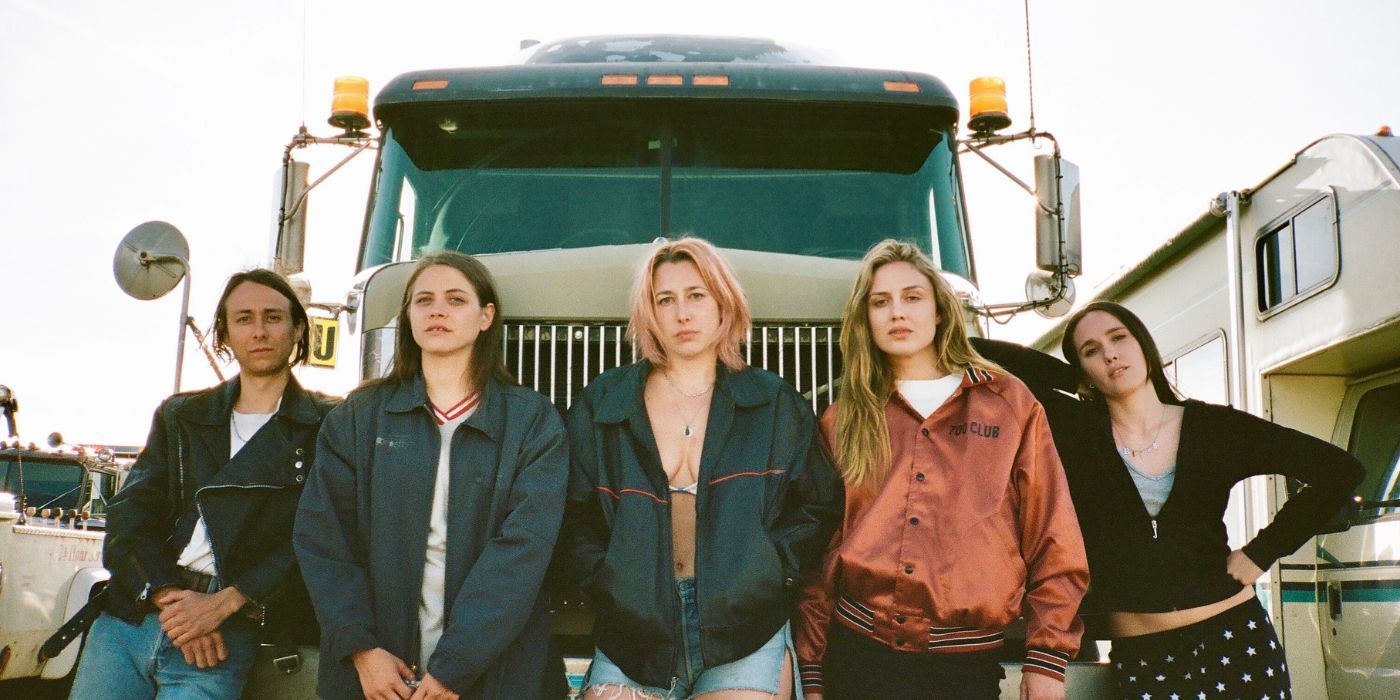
{"points": [[560, 359]]}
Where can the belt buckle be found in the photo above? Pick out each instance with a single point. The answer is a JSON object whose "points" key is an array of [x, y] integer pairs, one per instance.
{"points": [[289, 664]]}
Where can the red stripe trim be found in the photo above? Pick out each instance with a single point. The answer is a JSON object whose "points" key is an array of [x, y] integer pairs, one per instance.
{"points": [[964, 648], [723, 479], [1046, 657], [648, 494], [456, 411], [1032, 668], [618, 494]]}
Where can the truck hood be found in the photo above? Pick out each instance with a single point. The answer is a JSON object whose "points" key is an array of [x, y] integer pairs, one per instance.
{"points": [[593, 284]]}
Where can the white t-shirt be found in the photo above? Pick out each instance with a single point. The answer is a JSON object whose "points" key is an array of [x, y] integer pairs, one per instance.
{"points": [[926, 395], [198, 555], [431, 603]]}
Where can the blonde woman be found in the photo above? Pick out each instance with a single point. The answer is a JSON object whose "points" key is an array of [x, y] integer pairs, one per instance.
{"points": [[957, 514], [698, 496]]}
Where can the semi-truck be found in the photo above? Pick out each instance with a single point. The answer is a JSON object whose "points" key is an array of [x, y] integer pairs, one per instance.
{"points": [[559, 172], [53, 500]]}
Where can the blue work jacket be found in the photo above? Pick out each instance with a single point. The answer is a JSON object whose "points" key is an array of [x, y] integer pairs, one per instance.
{"points": [[768, 501], [362, 528]]}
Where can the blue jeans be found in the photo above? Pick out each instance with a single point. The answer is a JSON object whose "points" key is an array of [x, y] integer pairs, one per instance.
{"points": [[761, 670], [123, 661]]}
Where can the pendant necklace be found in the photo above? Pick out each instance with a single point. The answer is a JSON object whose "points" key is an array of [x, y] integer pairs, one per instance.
{"points": [[1130, 453], [688, 421]]}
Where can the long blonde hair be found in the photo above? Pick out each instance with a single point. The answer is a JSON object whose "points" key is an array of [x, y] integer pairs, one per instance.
{"points": [[862, 433]]}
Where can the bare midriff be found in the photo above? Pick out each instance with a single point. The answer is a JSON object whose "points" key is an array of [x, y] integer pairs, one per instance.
{"points": [[683, 533], [1136, 624]]}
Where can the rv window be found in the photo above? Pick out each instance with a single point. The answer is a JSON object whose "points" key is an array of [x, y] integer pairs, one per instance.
{"points": [[1298, 254], [1375, 441], [1200, 372]]}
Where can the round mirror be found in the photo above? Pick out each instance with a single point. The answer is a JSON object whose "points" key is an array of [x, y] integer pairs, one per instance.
{"points": [[151, 260], [1042, 285]]}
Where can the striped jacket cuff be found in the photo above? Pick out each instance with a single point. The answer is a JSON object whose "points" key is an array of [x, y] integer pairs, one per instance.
{"points": [[811, 675], [1046, 662]]}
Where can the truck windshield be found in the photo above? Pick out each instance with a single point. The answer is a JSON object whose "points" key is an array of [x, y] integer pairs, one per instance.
{"points": [[46, 484], [825, 179]]}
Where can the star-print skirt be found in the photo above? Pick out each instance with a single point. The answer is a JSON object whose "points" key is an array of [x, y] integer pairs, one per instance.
{"points": [[1232, 655]]}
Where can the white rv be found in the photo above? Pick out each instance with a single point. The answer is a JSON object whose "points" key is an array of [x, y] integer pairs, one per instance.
{"points": [[1284, 299]]}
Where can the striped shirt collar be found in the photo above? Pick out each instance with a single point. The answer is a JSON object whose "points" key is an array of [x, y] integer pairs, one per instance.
{"points": [[461, 408]]}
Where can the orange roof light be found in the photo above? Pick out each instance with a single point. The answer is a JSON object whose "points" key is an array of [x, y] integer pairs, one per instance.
{"points": [[901, 86], [619, 79], [429, 84], [665, 80], [710, 80], [987, 105], [350, 103]]}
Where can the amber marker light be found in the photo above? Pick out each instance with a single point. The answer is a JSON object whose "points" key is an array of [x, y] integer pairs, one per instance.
{"points": [[988, 105], [429, 84], [350, 103], [710, 80], [900, 86], [619, 79]]}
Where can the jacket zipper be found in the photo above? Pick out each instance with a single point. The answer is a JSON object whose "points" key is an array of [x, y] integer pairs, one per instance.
{"points": [[213, 549], [1154, 528]]}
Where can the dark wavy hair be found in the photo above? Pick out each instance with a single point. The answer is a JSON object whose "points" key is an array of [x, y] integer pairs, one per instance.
{"points": [[1155, 371], [277, 283], [488, 354]]}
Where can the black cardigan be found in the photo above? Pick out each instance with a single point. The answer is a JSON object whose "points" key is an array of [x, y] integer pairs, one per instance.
{"points": [[1184, 565]]}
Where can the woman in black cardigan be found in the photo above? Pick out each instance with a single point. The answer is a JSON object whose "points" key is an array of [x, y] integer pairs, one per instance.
{"points": [[1151, 477]]}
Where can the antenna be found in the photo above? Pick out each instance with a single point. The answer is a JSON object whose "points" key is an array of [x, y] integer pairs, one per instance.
{"points": [[1030, 78]]}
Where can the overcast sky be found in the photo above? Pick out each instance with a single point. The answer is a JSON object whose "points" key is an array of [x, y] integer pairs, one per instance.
{"points": [[115, 113]]}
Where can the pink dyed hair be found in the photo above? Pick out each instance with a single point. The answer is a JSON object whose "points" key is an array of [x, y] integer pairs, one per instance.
{"points": [[719, 278]]}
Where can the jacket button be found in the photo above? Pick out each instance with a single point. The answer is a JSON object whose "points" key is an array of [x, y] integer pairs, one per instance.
{"points": [[789, 582], [298, 464], [919, 476], [300, 452], [899, 619], [909, 569], [925, 432], [913, 521], [300, 478]]}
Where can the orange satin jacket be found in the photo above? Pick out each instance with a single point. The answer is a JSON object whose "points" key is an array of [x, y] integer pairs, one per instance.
{"points": [[972, 527]]}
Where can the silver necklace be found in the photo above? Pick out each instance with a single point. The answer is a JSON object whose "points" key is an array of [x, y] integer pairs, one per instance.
{"points": [[683, 392], [1131, 453], [233, 417], [688, 421]]}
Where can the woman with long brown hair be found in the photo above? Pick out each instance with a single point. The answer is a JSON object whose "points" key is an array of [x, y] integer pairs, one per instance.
{"points": [[433, 508], [957, 512], [1152, 474]]}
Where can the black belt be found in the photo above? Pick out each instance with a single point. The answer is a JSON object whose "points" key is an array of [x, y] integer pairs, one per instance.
{"points": [[197, 582]]}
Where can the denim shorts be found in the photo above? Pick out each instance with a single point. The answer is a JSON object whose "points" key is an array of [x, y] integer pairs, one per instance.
{"points": [[761, 670]]}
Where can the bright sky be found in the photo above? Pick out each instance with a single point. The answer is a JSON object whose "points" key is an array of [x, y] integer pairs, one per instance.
{"points": [[118, 113]]}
